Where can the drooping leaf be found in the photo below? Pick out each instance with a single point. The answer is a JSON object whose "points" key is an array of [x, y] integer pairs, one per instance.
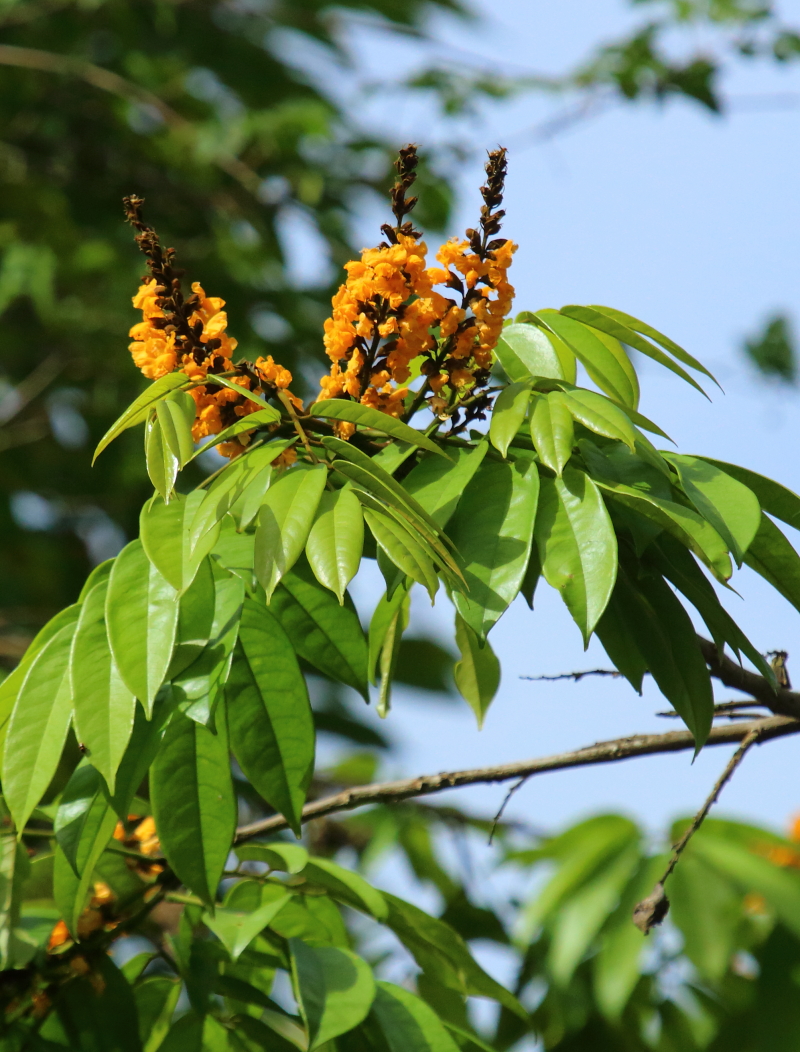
{"points": [[259, 418], [402, 548], [138, 411], [236, 929], [552, 430], [284, 523], [600, 415], [577, 546], [104, 706], [162, 464], [325, 634], [772, 556], [438, 485], [477, 674], [336, 540], [389, 621], [165, 535], [618, 642], [141, 616], [271, 727], [335, 989], [408, 1023], [508, 414], [355, 413], [492, 531], [291, 858], [84, 820], [193, 803], [176, 415], [196, 613], [600, 363], [525, 351], [347, 886], [774, 498]]}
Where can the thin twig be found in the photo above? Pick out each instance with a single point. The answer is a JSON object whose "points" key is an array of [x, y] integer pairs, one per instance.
{"points": [[287, 404], [722, 708], [652, 910], [602, 752], [576, 675], [506, 799]]}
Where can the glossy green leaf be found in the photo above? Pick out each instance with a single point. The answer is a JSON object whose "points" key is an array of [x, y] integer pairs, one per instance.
{"points": [[289, 858], [284, 522], [508, 414], [165, 535], [402, 549], [271, 727], [236, 929], [492, 531], [600, 363], [138, 411], [176, 415], [438, 485], [15, 951], [477, 674], [84, 820], [527, 351], [408, 1023], [347, 886], [104, 706], [772, 556], [243, 392], [156, 998], [260, 418], [774, 498], [600, 415], [193, 803], [38, 726], [355, 413], [335, 989], [336, 540], [196, 614], [162, 464], [552, 430], [731, 507], [141, 616], [325, 634], [577, 546], [613, 632]]}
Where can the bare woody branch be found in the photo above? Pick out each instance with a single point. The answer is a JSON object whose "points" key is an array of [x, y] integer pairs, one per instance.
{"points": [[602, 752]]}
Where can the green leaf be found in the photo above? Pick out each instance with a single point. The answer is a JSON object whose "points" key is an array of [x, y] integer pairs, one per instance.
{"points": [[438, 485], [165, 535], [176, 415], [508, 414], [408, 1023], [271, 726], [238, 389], [194, 805], [613, 632], [492, 530], [38, 726], [15, 951], [138, 411], [325, 634], [335, 989], [527, 351], [156, 998], [347, 886], [774, 498], [477, 674], [142, 617], [196, 614], [731, 507], [336, 540], [552, 430], [706, 907], [99, 1013], [145, 742], [162, 464], [402, 548], [600, 363], [284, 523], [577, 546], [260, 418], [236, 930], [772, 556], [84, 820], [289, 858], [600, 415], [104, 706], [355, 413]]}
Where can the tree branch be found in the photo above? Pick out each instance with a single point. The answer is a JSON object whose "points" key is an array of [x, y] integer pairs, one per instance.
{"points": [[602, 752], [781, 701]]}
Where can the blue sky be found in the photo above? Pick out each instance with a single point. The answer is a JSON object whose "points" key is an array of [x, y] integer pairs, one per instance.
{"points": [[688, 221]]}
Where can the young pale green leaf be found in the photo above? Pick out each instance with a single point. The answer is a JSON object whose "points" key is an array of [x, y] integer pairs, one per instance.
{"points": [[141, 616], [260, 418], [577, 546], [162, 464], [347, 886], [139, 410], [552, 430], [408, 1023], [271, 726], [176, 415], [477, 674], [104, 706], [165, 535], [381, 625], [772, 556], [335, 990], [437, 485], [84, 820], [336, 540], [731, 507], [288, 858], [526, 351], [492, 530], [600, 415], [16, 950], [38, 726], [193, 803], [355, 413], [243, 392], [403, 550], [236, 929], [508, 414], [284, 522], [600, 363], [325, 634], [774, 498]]}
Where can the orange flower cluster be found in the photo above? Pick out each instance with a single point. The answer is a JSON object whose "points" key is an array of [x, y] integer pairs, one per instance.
{"points": [[95, 916]]}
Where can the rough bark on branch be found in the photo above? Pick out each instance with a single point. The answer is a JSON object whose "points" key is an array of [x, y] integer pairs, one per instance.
{"points": [[602, 752], [782, 702]]}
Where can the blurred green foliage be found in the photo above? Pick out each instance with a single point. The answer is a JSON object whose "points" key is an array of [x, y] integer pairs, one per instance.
{"points": [[772, 351]]}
